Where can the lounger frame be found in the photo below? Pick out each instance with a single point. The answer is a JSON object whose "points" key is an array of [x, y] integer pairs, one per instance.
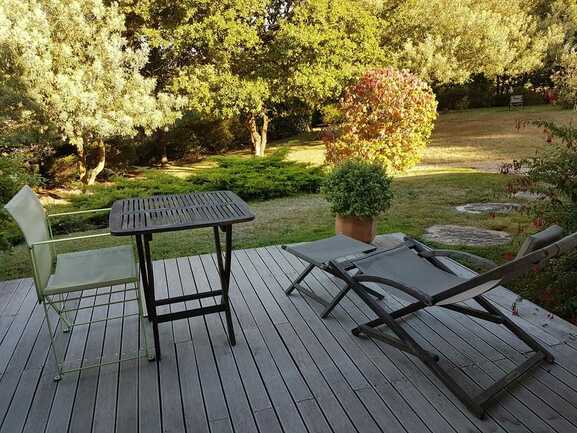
{"points": [[477, 403]]}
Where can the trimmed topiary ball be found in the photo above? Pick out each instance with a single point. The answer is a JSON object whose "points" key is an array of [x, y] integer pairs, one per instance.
{"points": [[358, 188]]}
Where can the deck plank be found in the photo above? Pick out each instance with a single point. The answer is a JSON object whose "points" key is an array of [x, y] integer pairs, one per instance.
{"points": [[290, 371]]}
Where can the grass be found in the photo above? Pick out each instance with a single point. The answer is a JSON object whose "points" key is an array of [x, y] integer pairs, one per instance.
{"points": [[420, 201], [456, 169], [482, 139]]}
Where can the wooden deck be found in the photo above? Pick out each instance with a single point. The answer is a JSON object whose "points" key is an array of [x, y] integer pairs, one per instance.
{"points": [[290, 371]]}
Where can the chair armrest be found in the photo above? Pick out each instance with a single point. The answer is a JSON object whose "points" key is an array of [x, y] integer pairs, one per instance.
{"points": [[481, 261], [415, 293], [78, 212], [73, 238]]}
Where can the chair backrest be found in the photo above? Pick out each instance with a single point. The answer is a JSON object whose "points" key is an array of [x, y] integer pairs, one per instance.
{"points": [[539, 240], [537, 248], [29, 214]]}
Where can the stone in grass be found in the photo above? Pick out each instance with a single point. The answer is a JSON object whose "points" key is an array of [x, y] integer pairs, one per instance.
{"points": [[529, 196], [464, 235], [489, 208]]}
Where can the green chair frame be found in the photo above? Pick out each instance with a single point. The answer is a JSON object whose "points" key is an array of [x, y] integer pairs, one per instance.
{"points": [[25, 208]]}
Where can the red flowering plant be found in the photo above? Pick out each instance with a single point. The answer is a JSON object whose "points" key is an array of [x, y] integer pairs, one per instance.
{"points": [[553, 174], [388, 116]]}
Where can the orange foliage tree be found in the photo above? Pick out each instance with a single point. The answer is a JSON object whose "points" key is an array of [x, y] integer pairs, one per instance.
{"points": [[388, 116]]}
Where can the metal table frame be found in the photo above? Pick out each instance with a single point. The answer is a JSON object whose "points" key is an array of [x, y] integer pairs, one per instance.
{"points": [[144, 237]]}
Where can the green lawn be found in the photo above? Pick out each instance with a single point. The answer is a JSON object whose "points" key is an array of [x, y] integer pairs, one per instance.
{"points": [[454, 171], [481, 138], [420, 201]]}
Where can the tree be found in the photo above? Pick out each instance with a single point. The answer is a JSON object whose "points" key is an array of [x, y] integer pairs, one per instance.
{"points": [[565, 78], [74, 64], [388, 116], [247, 58], [449, 41]]}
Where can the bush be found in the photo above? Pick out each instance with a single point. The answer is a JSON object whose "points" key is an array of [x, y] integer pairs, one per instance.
{"points": [[388, 116], [331, 115], [260, 178], [566, 79], [251, 178], [13, 176], [554, 174], [358, 188], [554, 287]]}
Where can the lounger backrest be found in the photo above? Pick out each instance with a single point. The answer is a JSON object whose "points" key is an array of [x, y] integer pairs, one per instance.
{"points": [[541, 239], [535, 252], [29, 214]]}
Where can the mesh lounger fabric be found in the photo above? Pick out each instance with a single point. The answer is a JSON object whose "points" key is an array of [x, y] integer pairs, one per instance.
{"points": [[322, 251], [405, 266]]}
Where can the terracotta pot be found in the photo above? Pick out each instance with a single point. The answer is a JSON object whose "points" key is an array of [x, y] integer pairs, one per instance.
{"points": [[363, 229]]}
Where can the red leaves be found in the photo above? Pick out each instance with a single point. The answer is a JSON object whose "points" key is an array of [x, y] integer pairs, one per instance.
{"points": [[388, 115]]}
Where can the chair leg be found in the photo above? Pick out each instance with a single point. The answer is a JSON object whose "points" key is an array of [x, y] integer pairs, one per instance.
{"points": [[64, 315], [52, 343], [477, 404], [59, 307], [518, 331], [299, 279], [335, 301]]}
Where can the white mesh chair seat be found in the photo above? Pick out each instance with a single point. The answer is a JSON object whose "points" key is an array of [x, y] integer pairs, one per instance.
{"points": [[92, 269]]}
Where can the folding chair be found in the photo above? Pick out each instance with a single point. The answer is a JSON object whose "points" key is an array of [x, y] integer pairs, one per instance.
{"points": [[58, 276], [416, 272], [319, 254]]}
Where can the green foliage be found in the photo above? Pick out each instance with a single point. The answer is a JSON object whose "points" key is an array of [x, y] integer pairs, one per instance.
{"points": [[250, 59], [260, 178], [553, 287], [251, 178], [71, 59], [331, 114], [358, 188], [566, 79], [448, 41], [388, 116], [13, 176], [554, 173]]}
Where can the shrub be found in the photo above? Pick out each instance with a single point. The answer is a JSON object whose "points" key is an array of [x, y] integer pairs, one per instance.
{"points": [[566, 79], [358, 188], [251, 178], [331, 114], [260, 178], [13, 176], [554, 174], [388, 116], [554, 287]]}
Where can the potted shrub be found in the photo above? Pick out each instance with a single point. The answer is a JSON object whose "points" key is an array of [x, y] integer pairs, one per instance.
{"points": [[358, 191]]}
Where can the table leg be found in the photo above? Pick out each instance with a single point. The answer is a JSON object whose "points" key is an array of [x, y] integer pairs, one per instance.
{"points": [[143, 246], [224, 273]]}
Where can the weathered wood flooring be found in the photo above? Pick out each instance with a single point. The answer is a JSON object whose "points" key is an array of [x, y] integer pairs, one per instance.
{"points": [[290, 371]]}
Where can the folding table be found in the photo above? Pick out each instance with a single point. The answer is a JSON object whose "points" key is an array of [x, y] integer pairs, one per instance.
{"points": [[142, 217]]}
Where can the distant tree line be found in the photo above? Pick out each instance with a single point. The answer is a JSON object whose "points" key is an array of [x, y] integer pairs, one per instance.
{"points": [[140, 80]]}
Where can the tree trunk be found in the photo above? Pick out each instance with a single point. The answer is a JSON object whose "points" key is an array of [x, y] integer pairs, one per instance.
{"points": [[163, 154], [258, 136], [82, 171], [101, 149], [263, 135]]}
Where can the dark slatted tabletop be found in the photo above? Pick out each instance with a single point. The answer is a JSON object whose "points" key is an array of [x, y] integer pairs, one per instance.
{"points": [[137, 216]]}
